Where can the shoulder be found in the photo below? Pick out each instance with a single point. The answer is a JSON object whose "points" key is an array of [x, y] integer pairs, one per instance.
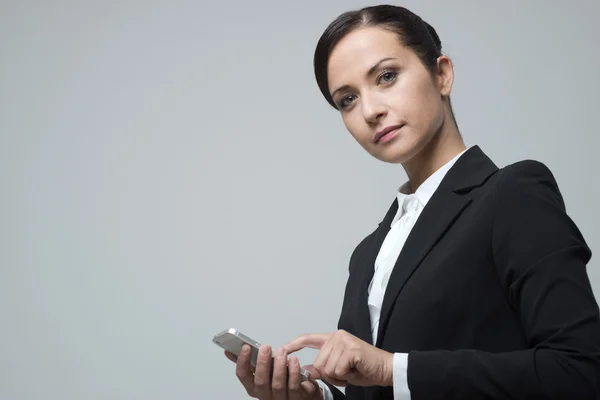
{"points": [[530, 220], [525, 179], [526, 169], [528, 206]]}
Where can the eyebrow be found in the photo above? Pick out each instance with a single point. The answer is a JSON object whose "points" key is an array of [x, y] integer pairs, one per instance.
{"points": [[369, 73]]}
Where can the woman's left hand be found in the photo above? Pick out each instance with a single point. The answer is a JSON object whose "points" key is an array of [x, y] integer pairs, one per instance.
{"points": [[344, 359]]}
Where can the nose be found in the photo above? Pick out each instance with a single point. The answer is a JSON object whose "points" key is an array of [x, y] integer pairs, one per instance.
{"points": [[373, 110]]}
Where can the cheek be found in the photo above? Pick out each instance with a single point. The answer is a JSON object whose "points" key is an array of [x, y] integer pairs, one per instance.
{"points": [[356, 126], [423, 107]]}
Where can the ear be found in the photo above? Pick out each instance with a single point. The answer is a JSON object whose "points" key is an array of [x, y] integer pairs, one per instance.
{"points": [[445, 75]]}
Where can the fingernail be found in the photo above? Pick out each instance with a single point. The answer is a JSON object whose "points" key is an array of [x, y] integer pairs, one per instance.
{"points": [[245, 349], [279, 352], [264, 349]]}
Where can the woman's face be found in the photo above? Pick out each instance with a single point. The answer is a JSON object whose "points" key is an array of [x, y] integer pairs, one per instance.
{"points": [[381, 86]]}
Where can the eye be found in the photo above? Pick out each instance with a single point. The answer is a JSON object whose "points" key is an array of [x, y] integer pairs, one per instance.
{"points": [[346, 101], [387, 77]]}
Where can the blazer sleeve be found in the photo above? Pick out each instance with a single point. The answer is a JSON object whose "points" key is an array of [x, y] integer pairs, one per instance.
{"points": [[356, 255], [540, 257]]}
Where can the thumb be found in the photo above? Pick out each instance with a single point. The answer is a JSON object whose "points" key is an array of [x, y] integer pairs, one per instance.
{"points": [[314, 374]]}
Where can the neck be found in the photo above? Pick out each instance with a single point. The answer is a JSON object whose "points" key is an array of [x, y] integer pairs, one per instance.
{"points": [[443, 147]]}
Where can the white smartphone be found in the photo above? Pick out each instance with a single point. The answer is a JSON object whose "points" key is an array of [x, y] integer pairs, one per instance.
{"points": [[232, 340]]}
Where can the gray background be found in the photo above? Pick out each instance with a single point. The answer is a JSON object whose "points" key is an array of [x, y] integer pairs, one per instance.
{"points": [[169, 169]]}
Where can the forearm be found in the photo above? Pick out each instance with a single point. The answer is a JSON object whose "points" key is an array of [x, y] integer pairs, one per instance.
{"points": [[529, 374]]}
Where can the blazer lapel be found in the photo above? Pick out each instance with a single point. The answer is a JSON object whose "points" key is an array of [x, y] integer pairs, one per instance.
{"points": [[362, 318], [445, 206], [438, 216]]}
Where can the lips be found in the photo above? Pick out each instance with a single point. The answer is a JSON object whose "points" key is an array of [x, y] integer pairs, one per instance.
{"points": [[385, 131]]}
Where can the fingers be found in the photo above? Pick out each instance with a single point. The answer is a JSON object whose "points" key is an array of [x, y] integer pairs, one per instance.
{"points": [[321, 360], [328, 359], [231, 356], [312, 340], [298, 390], [243, 371], [314, 374], [293, 384], [331, 364], [309, 389], [280, 371], [262, 373], [275, 377], [345, 359], [343, 367]]}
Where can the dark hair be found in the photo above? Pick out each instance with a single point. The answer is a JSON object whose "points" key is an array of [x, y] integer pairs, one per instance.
{"points": [[412, 31]]}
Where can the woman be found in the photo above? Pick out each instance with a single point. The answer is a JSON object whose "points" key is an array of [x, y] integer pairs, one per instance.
{"points": [[474, 283]]}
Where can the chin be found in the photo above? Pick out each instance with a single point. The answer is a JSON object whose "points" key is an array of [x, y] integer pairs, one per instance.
{"points": [[396, 152]]}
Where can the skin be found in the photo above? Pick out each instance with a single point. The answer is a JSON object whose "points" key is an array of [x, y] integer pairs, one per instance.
{"points": [[402, 92], [258, 383]]}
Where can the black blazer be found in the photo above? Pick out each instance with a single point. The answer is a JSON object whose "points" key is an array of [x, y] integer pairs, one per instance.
{"points": [[489, 296]]}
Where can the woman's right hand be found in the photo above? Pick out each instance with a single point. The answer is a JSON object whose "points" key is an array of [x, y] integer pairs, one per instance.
{"points": [[259, 383]]}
